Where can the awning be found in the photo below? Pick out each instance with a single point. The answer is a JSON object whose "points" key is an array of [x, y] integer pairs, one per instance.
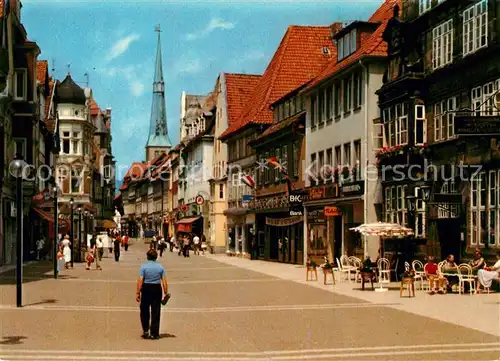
{"points": [[46, 216], [106, 223], [188, 220]]}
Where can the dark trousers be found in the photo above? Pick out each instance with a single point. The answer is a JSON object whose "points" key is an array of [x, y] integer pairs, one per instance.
{"points": [[117, 256], [185, 251], [151, 308], [171, 247], [125, 246], [161, 250]]}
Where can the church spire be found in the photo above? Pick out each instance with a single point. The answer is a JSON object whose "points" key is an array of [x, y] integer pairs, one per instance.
{"points": [[158, 133]]}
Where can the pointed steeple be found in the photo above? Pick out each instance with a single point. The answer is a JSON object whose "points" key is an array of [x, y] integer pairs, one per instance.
{"points": [[158, 133]]}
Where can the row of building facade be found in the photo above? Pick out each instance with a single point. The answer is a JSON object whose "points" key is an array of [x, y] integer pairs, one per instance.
{"points": [[362, 117], [57, 128]]}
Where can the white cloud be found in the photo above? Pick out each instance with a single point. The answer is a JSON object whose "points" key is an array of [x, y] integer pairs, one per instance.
{"points": [[137, 88], [214, 24], [121, 46], [131, 74], [192, 66]]}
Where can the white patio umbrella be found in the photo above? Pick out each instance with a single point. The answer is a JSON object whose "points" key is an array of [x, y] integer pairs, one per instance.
{"points": [[383, 229]]}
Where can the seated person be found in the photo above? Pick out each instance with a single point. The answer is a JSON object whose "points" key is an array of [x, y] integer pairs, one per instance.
{"points": [[486, 276], [432, 273], [478, 261], [450, 265]]}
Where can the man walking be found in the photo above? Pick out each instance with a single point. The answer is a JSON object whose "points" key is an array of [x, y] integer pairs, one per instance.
{"points": [[186, 246], [39, 247], [173, 242], [117, 245], [125, 242], [100, 248], [196, 241], [152, 278]]}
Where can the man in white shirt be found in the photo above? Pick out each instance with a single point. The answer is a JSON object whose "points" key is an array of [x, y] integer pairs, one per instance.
{"points": [[39, 247], [100, 247], [173, 241], [196, 241]]}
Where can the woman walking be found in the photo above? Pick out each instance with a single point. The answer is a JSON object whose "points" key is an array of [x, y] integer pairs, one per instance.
{"points": [[66, 243], [152, 278]]}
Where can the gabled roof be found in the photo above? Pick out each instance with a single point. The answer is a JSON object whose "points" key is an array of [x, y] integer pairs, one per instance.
{"points": [[374, 45], [299, 58], [278, 126], [239, 88], [94, 108], [42, 69]]}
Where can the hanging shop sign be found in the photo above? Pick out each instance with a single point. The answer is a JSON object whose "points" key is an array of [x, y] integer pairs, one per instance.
{"points": [[200, 200], [332, 211], [472, 125], [283, 222], [352, 189], [184, 208], [296, 201]]}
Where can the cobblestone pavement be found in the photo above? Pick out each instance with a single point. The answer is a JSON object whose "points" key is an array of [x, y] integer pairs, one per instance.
{"points": [[217, 312]]}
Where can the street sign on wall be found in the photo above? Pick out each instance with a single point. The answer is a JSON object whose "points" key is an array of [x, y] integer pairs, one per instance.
{"points": [[472, 125]]}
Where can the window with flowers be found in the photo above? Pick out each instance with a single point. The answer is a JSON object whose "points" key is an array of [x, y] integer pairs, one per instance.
{"points": [[485, 208], [395, 119]]}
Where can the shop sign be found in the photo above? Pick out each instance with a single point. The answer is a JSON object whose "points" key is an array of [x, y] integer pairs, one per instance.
{"points": [[472, 125], [353, 188], [246, 200], [295, 200], [316, 193], [316, 216], [332, 211], [283, 222], [451, 198]]}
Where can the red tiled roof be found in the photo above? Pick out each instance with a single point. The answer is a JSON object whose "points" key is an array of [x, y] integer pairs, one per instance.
{"points": [[239, 88], [94, 108], [298, 59], [373, 45], [42, 67], [137, 170]]}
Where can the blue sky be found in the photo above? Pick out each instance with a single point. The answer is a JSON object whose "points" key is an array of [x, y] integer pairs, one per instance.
{"points": [[115, 43]]}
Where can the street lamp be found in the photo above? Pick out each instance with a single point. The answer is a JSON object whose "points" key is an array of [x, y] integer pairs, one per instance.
{"points": [[71, 201], [85, 226], [56, 225], [426, 192], [79, 211], [411, 200], [17, 170]]}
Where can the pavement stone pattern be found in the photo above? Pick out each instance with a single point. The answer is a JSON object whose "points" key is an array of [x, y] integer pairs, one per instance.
{"points": [[218, 311]]}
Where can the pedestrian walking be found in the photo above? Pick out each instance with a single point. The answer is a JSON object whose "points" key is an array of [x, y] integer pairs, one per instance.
{"points": [[100, 247], [66, 243], [125, 242], [40, 244], [92, 254], [116, 245], [111, 235], [173, 242], [185, 248], [161, 246], [154, 243], [152, 278], [196, 242], [203, 244]]}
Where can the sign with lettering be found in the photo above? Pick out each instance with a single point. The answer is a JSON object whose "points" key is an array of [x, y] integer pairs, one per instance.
{"points": [[353, 188], [317, 193], [472, 125], [332, 211]]}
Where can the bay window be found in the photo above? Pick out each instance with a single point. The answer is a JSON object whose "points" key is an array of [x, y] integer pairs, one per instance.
{"points": [[395, 205], [396, 124], [448, 210], [444, 119], [485, 209], [482, 99], [420, 125]]}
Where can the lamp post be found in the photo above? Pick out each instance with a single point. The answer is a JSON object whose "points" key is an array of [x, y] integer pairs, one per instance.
{"points": [[56, 226], [71, 201], [17, 169], [79, 211], [85, 226]]}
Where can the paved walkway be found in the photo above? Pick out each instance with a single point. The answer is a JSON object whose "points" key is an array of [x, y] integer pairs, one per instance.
{"points": [[218, 312], [480, 312]]}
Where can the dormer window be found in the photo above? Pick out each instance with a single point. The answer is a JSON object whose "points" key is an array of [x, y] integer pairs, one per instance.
{"points": [[347, 45]]}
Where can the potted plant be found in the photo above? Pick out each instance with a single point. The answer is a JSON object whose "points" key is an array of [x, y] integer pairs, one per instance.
{"points": [[327, 266], [409, 273], [311, 264]]}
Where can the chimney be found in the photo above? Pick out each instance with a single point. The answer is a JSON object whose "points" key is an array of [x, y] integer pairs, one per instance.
{"points": [[335, 28]]}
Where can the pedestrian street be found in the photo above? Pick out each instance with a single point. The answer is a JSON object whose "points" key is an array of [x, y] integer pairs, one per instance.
{"points": [[217, 312]]}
